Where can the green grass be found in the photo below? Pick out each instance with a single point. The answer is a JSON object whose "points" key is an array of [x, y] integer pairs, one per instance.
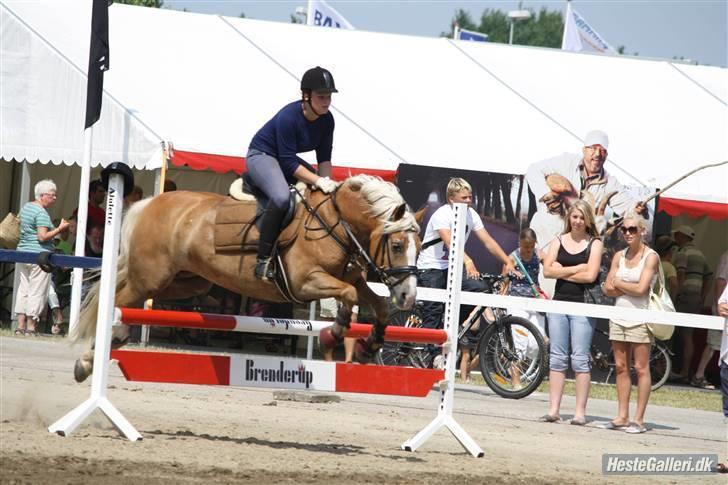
{"points": [[684, 398]]}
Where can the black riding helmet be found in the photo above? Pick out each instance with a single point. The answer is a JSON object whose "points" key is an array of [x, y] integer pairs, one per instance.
{"points": [[318, 79]]}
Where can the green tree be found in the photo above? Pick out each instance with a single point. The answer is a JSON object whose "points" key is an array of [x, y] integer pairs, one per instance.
{"points": [[543, 29], [143, 3]]}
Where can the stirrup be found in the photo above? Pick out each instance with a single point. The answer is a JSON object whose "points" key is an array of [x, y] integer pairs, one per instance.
{"points": [[264, 269]]}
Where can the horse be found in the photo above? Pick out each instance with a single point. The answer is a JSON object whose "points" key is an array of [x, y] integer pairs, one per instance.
{"points": [[362, 229]]}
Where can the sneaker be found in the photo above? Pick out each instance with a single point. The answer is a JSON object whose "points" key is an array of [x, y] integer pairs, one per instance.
{"points": [[438, 362], [264, 269]]}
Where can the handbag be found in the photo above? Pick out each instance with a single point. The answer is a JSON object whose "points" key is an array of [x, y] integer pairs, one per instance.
{"points": [[660, 301], [593, 291], [10, 231]]}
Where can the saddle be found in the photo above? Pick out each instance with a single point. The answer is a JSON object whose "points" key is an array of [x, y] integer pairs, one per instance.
{"points": [[237, 220]]}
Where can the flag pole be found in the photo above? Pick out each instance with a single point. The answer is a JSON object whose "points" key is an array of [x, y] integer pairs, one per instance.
{"points": [[566, 19]]}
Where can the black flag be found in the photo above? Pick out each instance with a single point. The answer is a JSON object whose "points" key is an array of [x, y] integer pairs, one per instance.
{"points": [[98, 60]]}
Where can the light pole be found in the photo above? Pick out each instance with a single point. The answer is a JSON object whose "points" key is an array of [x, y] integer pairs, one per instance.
{"points": [[516, 16], [302, 14]]}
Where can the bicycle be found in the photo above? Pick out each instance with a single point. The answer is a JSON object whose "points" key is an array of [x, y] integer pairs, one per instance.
{"points": [[506, 345], [660, 363]]}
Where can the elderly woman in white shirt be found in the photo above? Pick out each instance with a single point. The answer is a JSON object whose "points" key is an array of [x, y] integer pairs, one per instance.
{"points": [[633, 273]]}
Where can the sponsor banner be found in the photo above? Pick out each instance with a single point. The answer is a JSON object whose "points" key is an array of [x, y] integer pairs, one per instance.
{"points": [[282, 373], [464, 34]]}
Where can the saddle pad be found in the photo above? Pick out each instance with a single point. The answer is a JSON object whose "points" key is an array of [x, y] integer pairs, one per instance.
{"points": [[234, 226], [235, 229]]}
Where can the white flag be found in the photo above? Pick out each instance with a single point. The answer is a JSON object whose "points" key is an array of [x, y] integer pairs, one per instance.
{"points": [[580, 37], [322, 14]]}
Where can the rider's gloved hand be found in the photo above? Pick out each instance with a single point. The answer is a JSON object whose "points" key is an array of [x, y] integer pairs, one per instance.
{"points": [[325, 184]]}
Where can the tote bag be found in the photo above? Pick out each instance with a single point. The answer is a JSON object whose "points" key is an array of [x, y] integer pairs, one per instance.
{"points": [[10, 231], [660, 301]]}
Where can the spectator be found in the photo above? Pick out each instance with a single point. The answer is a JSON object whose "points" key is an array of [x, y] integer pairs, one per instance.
{"points": [[55, 305], [722, 310], [693, 276], [574, 260], [95, 241], [665, 247], [135, 196], [432, 262], [712, 343], [36, 235], [65, 242], [530, 258], [169, 185], [96, 211], [633, 273]]}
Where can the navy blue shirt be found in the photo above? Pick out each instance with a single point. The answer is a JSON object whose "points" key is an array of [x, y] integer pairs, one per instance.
{"points": [[289, 133]]}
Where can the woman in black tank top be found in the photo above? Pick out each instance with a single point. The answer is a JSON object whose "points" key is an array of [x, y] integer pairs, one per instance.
{"points": [[573, 259]]}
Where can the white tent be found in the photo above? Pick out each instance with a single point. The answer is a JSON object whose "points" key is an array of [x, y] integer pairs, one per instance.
{"points": [[206, 83]]}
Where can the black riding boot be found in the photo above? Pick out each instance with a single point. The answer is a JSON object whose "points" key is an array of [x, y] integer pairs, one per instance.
{"points": [[270, 229]]}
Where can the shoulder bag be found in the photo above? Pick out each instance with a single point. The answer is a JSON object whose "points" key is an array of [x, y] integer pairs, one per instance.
{"points": [[660, 301], [593, 291], [10, 231]]}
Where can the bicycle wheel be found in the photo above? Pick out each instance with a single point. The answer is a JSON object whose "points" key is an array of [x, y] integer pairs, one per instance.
{"points": [[660, 364], [404, 353], [660, 367], [513, 357]]}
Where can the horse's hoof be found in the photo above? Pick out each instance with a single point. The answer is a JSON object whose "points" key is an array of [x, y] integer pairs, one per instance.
{"points": [[80, 371], [362, 352], [327, 339]]}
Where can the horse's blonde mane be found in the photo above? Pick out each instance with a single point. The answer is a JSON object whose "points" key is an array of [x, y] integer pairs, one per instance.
{"points": [[383, 199]]}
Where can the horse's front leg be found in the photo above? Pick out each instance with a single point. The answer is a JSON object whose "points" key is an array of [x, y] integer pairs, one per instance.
{"points": [[322, 285], [367, 348]]}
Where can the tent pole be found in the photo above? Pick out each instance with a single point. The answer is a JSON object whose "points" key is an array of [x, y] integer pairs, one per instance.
{"points": [[81, 218], [23, 197], [158, 189]]}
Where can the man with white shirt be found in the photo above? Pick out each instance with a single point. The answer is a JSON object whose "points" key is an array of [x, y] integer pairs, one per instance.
{"points": [[432, 262]]}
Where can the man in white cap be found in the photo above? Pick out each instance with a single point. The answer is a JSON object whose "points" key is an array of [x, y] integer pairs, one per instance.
{"points": [[693, 277], [558, 181]]}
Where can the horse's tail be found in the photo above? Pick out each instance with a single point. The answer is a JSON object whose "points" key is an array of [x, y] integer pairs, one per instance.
{"points": [[86, 327]]}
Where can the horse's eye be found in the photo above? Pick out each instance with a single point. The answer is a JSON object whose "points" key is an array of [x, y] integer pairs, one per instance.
{"points": [[397, 247]]}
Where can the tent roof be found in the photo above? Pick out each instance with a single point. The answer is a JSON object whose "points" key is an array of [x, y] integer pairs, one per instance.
{"points": [[207, 83]]}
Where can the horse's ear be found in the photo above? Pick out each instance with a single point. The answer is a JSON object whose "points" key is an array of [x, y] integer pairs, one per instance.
{"points": [[420, 215], [399, 212]]}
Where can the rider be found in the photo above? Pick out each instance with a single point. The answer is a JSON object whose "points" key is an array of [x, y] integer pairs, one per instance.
{"points": [[432, 262], [272, 162]]}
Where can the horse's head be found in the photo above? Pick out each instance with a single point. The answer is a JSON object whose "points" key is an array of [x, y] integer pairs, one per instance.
{"points": [[395, 245], [394, 241]]}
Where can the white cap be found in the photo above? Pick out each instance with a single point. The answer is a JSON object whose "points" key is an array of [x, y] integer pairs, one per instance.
{"points": [[596, 137]]}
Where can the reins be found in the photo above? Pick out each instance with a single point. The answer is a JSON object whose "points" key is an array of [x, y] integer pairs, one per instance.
{"points": [[358, 252]]}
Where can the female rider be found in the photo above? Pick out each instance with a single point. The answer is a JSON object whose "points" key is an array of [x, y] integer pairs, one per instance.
{"points": [[272, 162]]}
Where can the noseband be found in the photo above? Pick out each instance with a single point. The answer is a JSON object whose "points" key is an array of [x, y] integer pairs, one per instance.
{"points": [[390, 276]]}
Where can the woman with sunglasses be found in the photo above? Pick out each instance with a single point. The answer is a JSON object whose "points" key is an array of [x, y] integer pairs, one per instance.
{"points": [[634, 271], [36, 235]]}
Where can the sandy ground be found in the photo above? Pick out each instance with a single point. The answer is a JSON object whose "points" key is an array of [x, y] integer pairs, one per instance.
{"points": [[230, 435]]}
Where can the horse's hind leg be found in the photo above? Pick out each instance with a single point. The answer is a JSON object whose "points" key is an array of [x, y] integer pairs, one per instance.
{"points": [[126, 296]]}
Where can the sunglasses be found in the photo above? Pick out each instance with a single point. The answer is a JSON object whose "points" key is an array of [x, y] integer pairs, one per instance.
{"points": [[631, 230]]}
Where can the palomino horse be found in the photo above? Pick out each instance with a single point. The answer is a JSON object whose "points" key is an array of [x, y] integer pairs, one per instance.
{"points": [[167, 250]]}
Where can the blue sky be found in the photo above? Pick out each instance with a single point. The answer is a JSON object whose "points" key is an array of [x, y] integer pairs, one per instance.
{"points": [[693, 29]]}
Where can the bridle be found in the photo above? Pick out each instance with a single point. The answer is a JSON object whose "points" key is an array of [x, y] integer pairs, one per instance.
{"points": [[389, 275]]}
